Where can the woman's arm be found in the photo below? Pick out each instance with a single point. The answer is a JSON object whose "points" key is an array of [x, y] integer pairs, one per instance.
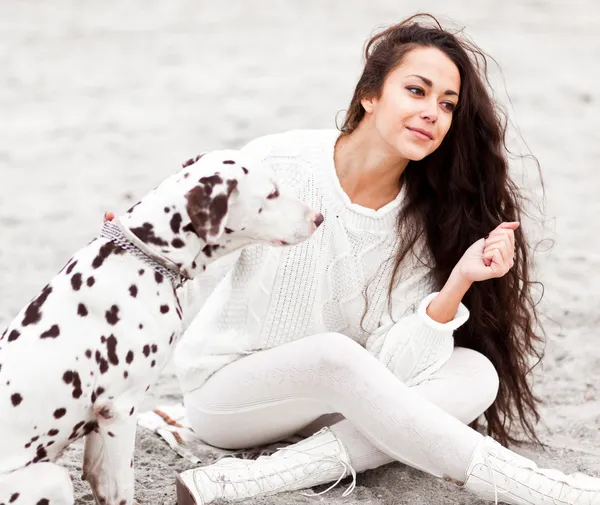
{"points": [[487, 258]]}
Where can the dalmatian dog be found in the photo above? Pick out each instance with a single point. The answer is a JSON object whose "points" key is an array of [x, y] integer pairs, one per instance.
{"points": [[78, 359]]}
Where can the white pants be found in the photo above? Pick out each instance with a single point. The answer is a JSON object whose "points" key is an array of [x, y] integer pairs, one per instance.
{"points": [[271, 394]]}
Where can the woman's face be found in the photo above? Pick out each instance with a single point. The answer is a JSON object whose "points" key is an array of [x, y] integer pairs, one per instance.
{"points": [[414, 112]]}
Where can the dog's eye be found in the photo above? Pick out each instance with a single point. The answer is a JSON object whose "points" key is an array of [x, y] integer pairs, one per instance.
{"points": [[273, 194]]}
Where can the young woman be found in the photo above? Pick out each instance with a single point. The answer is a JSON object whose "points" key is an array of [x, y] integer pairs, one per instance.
{"points": [[408, 314]]}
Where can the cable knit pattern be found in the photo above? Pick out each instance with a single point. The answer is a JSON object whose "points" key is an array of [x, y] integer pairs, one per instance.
{"points": [[269, 296]]}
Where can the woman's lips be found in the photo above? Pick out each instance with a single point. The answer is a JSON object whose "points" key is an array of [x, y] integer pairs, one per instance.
{"points": [[421, 134]]}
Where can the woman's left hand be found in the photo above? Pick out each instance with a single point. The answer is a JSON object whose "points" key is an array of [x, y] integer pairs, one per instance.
{"points": [[489, 257]]}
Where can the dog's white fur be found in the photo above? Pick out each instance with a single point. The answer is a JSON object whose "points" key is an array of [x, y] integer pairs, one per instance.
{"points": [[78, 359]]}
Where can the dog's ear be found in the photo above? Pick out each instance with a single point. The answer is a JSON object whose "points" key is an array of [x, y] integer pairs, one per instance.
{"points": [[208, 206]]}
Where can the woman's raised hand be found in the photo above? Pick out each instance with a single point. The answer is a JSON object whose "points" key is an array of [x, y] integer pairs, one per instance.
{"points": [[489, 257]]}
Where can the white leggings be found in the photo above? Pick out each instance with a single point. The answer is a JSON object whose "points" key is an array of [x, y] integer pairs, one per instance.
{"points": [[271, 394]]}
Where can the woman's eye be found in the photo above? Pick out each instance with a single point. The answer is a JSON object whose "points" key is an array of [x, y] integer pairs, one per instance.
{"points": [[449, 106], [415, 90]]}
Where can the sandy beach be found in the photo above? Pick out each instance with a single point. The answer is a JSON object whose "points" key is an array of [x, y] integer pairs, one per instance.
{"points": [[101, 101]]}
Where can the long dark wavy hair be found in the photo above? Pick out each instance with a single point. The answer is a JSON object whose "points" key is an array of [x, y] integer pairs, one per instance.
{"points": [[457, 195]]}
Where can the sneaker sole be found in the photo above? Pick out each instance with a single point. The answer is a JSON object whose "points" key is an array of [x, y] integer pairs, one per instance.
{"points": [[184, 495]]}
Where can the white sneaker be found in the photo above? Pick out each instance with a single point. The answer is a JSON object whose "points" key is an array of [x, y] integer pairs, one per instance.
{"points": [[498, 474], [318, 459]]}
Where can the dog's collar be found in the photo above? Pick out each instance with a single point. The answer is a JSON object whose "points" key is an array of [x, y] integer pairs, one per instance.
{"points": [[121, 236]]}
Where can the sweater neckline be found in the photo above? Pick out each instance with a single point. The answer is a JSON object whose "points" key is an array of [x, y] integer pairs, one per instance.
{"points": [[383, 218]]}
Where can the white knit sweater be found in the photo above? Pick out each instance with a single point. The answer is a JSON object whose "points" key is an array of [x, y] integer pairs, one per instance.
{"points": [[267, 296]]}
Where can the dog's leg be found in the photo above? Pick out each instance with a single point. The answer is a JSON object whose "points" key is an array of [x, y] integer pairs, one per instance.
{"points": [[37, 484], [108, 455]]}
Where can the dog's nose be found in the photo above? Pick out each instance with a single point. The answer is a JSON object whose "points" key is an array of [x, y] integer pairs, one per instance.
{"points": [[319, 219]]}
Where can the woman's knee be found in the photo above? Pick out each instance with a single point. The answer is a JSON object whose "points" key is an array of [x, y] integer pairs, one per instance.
{"points": [[482, 376]]}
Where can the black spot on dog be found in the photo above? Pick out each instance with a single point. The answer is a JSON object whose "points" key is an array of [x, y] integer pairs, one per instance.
{"points": [[210, 182], [75, 432], [58, 413], [71, 377], [111, 434], [171, 338], [154, 348], [146, 234], [90, 281], [76, 282], [130, 210], [153, 363], [111, 347], [167, 210], [158, 277], [104, 252], [40, 454], [245, 170], [260, 210], [131, 411], [13, 498], [33, 313], [129, 357], [141, 271], [53, 332], [164, 309], [274, 194], [88, 353], [112, 315], [228, 230], [71, 267], [140, 326], [133, 290], [53, 432], [146, 350], [176, 222], [82, 310], [102, 363], [16, 399], [89, 427], [13, 335], [43, 501], [208, 249], [229, 162], [177, 243], [191, 161], [189, 228]]}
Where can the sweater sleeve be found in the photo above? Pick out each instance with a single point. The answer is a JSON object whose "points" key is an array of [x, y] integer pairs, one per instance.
{"points": [[408, 341]]}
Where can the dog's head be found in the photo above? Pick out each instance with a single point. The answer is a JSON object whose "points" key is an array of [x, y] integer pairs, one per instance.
{"points": [[237, 202], [219, 202]]}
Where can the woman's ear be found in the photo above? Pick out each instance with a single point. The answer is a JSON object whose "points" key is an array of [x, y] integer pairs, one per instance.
{"points": [[208, 206], [368, 104]]}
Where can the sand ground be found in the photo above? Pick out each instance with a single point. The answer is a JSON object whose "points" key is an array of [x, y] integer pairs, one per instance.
{"points": [[99, 101]]}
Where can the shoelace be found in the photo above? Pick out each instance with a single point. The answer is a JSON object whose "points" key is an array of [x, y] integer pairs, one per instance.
{"points": [[556, 481], [223, 480]]}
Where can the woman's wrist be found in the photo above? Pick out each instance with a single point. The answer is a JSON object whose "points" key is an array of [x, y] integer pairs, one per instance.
{"points": [[444, 306]]}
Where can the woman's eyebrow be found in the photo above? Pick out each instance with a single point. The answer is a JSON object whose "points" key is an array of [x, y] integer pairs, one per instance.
{"points": [[429, 83]]}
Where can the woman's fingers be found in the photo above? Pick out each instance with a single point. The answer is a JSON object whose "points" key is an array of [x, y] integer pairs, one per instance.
{"points": [[500, 254], [108, 216], [500, 234]]}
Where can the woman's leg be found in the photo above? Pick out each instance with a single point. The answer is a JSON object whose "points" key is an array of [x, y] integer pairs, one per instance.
{"points": [[271, 394], [464, 387]]}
